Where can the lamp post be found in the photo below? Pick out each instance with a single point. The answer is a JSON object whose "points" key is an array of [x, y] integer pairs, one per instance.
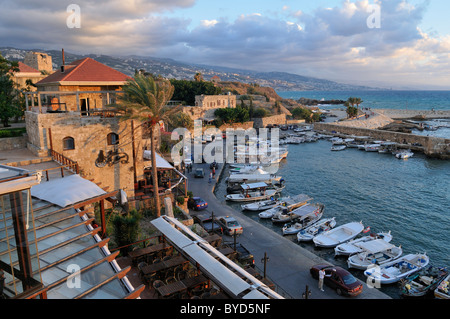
{"points": [[307, 293], [265, 260]]}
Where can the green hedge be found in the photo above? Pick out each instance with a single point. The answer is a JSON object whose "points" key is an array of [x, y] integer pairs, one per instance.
{"points": [[13, 132]]}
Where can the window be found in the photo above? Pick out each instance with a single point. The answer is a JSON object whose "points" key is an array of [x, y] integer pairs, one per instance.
{"points": [[113, 139], [68, 143]]}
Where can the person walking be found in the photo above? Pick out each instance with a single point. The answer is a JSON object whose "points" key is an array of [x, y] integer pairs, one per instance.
{"points": [[210, 178]]}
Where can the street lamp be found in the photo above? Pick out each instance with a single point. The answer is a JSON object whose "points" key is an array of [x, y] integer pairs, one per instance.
{"points": [[265, 260]]}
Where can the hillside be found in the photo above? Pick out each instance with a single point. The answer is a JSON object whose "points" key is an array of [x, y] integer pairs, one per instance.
{"points": [[168, 68]]}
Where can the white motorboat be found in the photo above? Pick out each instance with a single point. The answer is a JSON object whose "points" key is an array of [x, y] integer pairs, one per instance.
{"points": [[337, 148], [262, 205], [397, 269], [337, 141], [248, 169], [353, 144], [252, 192], [306, 215], [372, 147], [354, 246], [338, 235], [404, 154], [377, 252], [310, 232], [288, 203]]}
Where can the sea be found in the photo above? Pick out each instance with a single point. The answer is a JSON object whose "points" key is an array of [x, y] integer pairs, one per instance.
{"points": [[410, 198]]}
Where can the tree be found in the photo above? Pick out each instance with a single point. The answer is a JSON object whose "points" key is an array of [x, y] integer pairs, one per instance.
{"points": [[145, 99], [198, 77], [8, 91]]}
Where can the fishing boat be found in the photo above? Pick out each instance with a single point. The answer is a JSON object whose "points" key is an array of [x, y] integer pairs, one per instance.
{"points": [[443, 290], [252, 192], [305, 216], [337, 148], [397, 269], [288, 203], [376, 252], [354, 246], [404, 154], [247, 169], [310, 232], [234, 181], [338, 235], [372, 147], [423, 282], [262, 205]]}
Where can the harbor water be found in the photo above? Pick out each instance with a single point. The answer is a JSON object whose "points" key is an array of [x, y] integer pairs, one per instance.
{"points": [[409, 197]]}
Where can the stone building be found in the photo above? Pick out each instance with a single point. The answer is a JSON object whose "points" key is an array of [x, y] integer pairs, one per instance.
{"points": [[205, 105], [27, 73], [39, 61]]}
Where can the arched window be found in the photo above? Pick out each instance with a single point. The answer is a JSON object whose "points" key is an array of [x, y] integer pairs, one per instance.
{"points": [[112, 139], [68, 143]]}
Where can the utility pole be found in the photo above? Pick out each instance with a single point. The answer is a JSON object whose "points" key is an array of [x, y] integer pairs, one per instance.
{"points": [[265, 260]]}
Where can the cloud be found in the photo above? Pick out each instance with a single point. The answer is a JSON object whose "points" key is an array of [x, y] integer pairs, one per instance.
{"points": [[333, 43]]}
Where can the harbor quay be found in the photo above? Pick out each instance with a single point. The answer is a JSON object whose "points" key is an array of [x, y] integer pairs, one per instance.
{"points": [[289, 264]]}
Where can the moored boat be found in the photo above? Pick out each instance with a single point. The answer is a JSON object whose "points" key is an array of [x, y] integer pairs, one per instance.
{"points": [[338, 235], [262, 205], [287, 204], [397, 269], [443, 290], [310, 232], [354, 246], [423, 282], [404, 154], [377, 252], [337, 148], [305, 216], [252, 192]]}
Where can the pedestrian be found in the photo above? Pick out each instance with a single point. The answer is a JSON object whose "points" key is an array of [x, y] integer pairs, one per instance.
{"points": [[321, 278], [210, 178], [214, 172]]}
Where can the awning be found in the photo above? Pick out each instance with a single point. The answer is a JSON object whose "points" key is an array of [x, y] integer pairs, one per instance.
{"points": [[66, 191], [160, 162], [375, 246], [253, 185]]}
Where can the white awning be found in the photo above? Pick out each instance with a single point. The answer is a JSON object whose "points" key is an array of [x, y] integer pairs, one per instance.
{"points": [[66, 191], [160, 162], [375, 246]]}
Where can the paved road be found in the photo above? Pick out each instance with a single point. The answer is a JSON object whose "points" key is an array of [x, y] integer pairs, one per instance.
{"points": [[289, 263]]}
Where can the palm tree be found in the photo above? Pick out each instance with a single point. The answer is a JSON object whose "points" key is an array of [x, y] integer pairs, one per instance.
{"points": [[145, 99]]}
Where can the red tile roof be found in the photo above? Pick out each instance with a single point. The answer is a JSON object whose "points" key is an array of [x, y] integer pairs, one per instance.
{"points": [[23, 68], [86, 70]]}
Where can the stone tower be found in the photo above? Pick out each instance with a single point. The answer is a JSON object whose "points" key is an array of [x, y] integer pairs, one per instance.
{"points": [[39, 61]]}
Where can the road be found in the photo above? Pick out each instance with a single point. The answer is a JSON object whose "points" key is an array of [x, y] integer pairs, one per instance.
{"points": [[289, 263]]}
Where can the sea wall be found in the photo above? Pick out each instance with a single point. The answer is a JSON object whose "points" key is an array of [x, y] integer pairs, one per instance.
{"points": [[414, 114], [432, 146]]}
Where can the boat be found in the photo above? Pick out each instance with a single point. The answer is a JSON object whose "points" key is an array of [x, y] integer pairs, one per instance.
{"points": [[305, 216], [353, 144], [404, 154], [424, 282], [338, 235], [262, 205], [372, 147], [376, 252], [397, 269], [234, 181], [338, 148], [310, 232], [337, 141], [354, 246], [252, 192], [288, 203], [443, 290], [247, 169]]}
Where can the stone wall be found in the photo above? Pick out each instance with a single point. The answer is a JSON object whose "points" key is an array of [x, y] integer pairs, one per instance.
{"points": [[47, 131], [270, 120], [433, 146], [13, 143]]}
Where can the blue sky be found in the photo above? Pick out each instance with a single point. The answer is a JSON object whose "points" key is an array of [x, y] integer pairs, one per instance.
{"points": [[325, 38]]}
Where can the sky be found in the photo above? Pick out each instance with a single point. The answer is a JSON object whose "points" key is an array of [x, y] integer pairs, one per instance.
{"points": [[384, 43]]}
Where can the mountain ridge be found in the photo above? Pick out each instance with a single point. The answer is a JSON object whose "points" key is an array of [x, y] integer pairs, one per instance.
{"points": [[170, 68]]}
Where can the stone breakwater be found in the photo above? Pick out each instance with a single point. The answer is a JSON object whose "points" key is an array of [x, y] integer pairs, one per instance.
{"points": [[414, 114]]}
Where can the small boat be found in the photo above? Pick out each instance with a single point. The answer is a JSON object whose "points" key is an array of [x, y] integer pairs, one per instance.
{"points": [[353, 144], [310, 232], [397, 269], [288, 204], [337, 141], [262, 205], [304, 216], [354, 246], [404, 154], [377, 252], [372, 147], [338, 235], [423, 282], [338, 148], [443, 290], [252, 192]]}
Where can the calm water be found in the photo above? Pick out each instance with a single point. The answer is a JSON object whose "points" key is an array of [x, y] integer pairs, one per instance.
{"points": [[411, 100], [410, 198]]}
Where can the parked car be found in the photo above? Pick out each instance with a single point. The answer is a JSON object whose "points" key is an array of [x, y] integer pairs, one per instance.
{"points": [[229, 225], [197, 203], [199, 173], [339, 279], [204, 220]]}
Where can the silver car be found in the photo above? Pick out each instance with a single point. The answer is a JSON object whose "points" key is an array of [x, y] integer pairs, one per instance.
{"points": [[230, 225]]}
